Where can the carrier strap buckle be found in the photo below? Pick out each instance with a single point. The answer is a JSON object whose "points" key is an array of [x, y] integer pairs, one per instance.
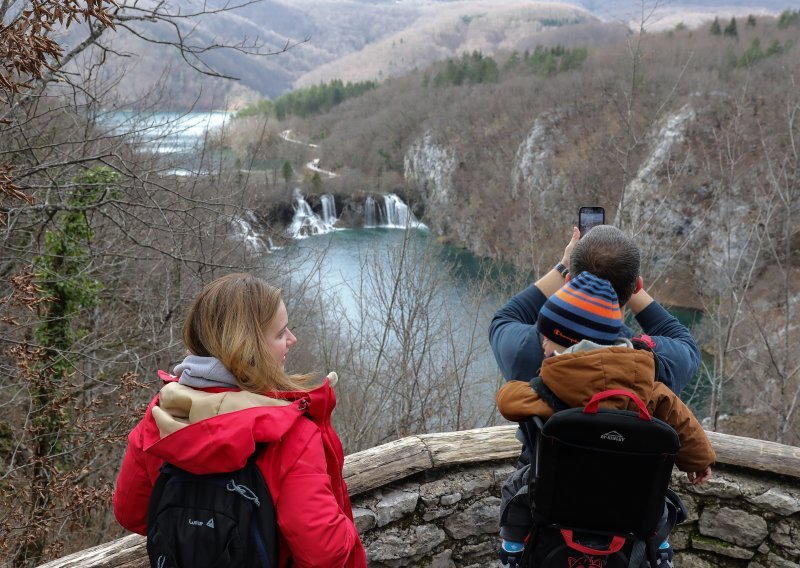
{"points": [[614, 546]]}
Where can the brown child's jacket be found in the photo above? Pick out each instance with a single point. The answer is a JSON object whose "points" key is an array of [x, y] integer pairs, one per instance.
{"points": [[575, 377]]}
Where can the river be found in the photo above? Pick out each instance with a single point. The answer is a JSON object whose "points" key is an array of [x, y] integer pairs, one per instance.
{"points": [[177, 137]]}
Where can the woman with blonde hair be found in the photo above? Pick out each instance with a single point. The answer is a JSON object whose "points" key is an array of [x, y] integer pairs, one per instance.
{"points": [[229, 395]]}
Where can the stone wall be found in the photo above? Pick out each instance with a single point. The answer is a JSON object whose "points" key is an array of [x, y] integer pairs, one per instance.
{"points": [[442, 518], [433, 500], [445, 514], [447, 518]]}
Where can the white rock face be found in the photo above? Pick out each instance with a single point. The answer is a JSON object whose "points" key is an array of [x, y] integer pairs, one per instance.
{"points": [[429, 166], [659, 212], [676, 217], [530, 172], [638, 203]]}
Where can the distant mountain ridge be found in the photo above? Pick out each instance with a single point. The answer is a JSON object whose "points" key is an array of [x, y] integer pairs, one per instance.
{"points": [[444, 32], [446, 29], [372, 39]]}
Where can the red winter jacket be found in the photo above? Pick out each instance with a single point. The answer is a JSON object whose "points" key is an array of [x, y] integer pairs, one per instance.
{"points": [[216, 430]]}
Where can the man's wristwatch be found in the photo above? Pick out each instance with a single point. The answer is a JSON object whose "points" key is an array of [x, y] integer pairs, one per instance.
{"points": [[562, 270]]}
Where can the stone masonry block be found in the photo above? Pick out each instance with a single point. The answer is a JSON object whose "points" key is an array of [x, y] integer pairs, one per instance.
{"points": [[394, 505], [734, 526], [480, 517]]}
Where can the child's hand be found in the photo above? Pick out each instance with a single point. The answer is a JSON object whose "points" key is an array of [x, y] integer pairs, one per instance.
{"points": [[698, 477]]}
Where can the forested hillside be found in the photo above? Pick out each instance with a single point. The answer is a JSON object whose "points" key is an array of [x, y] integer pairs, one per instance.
{"points": [[686, 137]]}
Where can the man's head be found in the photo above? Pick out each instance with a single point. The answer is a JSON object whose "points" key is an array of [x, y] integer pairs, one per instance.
{"points": [[607, 252], [586, 307]]}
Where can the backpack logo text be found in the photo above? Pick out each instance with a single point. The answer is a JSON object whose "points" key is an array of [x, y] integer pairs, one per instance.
{"points": [[613, 436]]}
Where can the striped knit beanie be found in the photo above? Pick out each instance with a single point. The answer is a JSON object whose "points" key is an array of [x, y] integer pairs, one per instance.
{"points": [[586, 307]]}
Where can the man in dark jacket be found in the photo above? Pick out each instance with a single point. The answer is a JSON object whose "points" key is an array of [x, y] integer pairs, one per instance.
{"points": [[584, 356], [610, 254]]}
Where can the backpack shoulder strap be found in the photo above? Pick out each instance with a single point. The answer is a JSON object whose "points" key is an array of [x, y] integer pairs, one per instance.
{"points": [[646, 343], [264, 532], [156, 492], [547, 395]]}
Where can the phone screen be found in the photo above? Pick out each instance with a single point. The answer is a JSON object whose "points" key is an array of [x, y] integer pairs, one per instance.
{"points": [[589, 217]]}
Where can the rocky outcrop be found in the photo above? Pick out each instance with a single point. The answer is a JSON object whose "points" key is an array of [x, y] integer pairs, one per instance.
{"points": [[428, 168], [531, 175]]}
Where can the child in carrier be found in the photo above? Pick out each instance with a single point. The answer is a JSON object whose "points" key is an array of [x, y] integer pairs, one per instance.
{"points": [[584, 355]]}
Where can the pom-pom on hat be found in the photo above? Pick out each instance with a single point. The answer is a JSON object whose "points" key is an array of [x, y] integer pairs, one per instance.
{"points": [[586, 307]]}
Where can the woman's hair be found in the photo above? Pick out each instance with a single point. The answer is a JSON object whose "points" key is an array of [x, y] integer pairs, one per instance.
{"points": [[229, 320]]}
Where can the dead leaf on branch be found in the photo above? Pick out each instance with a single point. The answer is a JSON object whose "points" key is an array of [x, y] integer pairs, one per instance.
{"points": [[26, 292], [26, 52]]}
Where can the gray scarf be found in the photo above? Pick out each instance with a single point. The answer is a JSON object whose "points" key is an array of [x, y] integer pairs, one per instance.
{"points": [[204, 372]]}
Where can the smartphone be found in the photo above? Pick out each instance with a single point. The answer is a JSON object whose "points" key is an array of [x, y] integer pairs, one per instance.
{"points": [[589, 217]]}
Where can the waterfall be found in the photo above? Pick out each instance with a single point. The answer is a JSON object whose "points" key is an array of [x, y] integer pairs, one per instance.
{"points": [[390, 213], [305, 222], [386, 211], [243, 229], [370, 215], [398, 214], [328, 209]]}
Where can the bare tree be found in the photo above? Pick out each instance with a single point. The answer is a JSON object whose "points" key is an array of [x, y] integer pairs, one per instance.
{"points": [[408, 357], [102, 248]]}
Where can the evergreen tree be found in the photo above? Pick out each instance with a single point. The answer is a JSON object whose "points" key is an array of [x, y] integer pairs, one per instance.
{"points": [[715, 27], [753, 55], [788, 18], [316, 182], [287, 172], [489, 71], [730, 29], [776, 48], [513, 61], [65, 278], [303, 102], [751, 21]]}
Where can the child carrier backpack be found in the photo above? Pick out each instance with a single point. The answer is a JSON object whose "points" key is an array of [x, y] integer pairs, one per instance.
{"points": [[599, 487], [212, 521]]}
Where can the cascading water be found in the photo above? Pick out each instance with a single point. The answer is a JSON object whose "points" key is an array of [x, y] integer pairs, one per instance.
{"points": [[387, 211], [398, 214], [328, 209], [370, 213], [390, 213], [305, 222], [243, 228]]}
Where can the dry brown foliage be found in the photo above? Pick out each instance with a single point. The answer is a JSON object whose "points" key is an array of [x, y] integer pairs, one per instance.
{"points": [[25, 47]]}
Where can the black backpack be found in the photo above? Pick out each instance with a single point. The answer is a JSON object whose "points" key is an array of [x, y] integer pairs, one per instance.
{"points": [[598, 489], [212, 521]]}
